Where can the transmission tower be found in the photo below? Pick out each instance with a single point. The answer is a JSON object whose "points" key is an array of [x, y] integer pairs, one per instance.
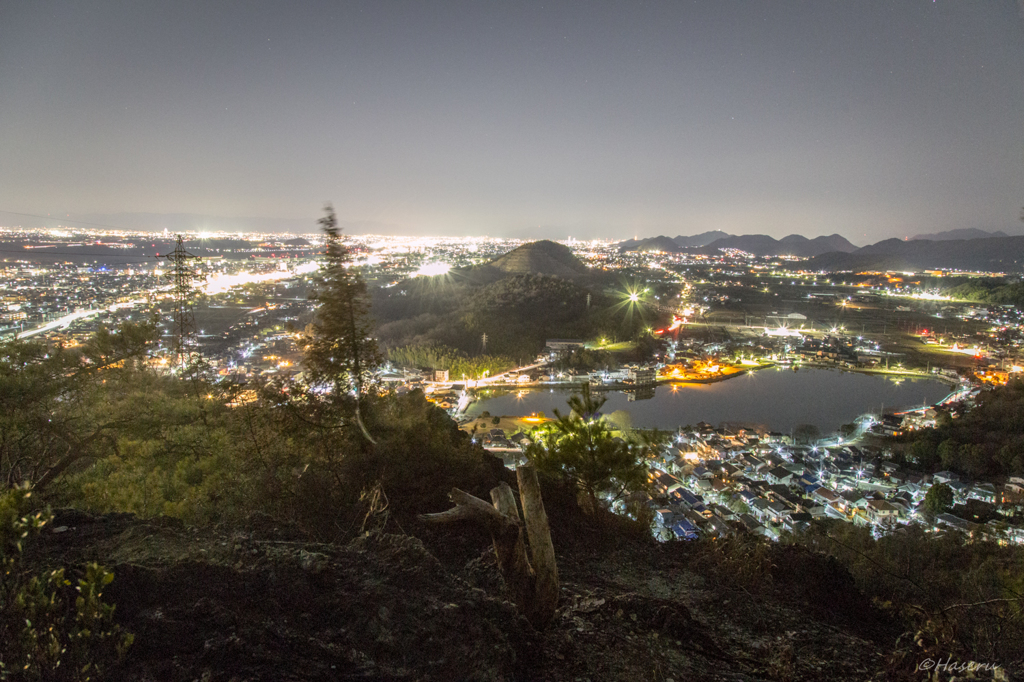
{"points": [[186, 343]]}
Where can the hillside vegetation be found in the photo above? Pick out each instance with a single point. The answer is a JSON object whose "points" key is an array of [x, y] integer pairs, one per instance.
{"points": [[986, 442]]}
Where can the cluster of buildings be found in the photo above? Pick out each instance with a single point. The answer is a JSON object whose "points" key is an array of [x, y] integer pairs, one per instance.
{"points": [[37, 294], [714, 482]]}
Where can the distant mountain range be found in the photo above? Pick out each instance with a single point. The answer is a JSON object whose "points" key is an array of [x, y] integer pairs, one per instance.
{"points": [[672, 245], [963, 233], [702, 239], [995, 254], [757, 244], [665, 244], [964, 249]]}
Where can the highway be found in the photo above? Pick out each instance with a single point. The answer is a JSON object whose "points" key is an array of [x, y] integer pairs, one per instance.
{"points": [[66, 321]]}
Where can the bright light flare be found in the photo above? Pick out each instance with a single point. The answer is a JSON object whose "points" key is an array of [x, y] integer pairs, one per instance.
{"points": [[432, 269], [218, 284], [783, 332]]}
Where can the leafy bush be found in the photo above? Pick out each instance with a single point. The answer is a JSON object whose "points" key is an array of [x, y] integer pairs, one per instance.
{"points": [[49, 630]]}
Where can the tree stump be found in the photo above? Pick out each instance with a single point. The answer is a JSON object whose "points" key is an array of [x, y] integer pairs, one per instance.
{"points": [[533, 587]]}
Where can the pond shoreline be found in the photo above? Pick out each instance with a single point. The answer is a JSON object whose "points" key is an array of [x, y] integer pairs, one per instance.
{"points": [[661, 381], [779, 399]]}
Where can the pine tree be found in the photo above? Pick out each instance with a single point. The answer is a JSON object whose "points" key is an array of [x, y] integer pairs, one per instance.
{"points": [[582, 448], [341, 354]]}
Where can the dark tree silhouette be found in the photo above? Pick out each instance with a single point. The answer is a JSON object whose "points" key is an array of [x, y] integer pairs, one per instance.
{"points": [[341, 354], [939, 499]]}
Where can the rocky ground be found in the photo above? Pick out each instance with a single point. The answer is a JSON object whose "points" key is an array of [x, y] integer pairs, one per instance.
{"points": [[261, 603]]}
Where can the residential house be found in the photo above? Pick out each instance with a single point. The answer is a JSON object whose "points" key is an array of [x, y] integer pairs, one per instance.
{"points": [[986, 492], [954, 522], [759, 509], [660, 482], [780, 475], [777, 511], [960, 490], [684, 529], [881, 512], [701, 472], [797, 522], [851, 499], [665, 516], [825, 495], [723, 512], [752, 525], [808, 483], [718, 527]]}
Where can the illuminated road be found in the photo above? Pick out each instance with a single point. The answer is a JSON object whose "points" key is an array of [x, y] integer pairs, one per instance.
{"points": [[466, 398], [501, 377], [67, 320]]}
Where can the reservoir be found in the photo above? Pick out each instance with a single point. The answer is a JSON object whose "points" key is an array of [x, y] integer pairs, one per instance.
{"points": [[777, 398]]}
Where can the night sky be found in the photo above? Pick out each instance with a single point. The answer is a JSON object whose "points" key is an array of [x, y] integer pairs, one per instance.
{"points": [[526, 119]]}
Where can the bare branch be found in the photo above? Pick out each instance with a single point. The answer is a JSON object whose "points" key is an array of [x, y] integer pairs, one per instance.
{"points": [[471, 508]]}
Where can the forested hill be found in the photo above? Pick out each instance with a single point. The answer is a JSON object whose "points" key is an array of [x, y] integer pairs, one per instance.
{"points": [[539, 258], [519, 300], [518, 313]]}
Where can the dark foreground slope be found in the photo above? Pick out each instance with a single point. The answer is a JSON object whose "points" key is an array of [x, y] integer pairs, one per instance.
{"points": [[256, 603]]}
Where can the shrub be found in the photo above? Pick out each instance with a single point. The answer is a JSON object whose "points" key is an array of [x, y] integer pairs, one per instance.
{"points": [[49, 630]]}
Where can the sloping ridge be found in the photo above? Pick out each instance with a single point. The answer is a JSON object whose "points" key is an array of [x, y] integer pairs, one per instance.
{"points": [[961, 233], [757, 244], [702, 239], [997, 254], [540, 258], [664, 244], [793, 245]]}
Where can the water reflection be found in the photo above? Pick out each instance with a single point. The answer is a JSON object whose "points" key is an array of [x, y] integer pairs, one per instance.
{"points": [[780, 398], [645, 393]]}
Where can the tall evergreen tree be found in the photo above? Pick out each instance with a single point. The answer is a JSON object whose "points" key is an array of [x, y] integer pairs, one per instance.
{"points": [[341, 354]]}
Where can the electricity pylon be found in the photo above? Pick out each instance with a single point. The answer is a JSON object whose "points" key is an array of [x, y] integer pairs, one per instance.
{"points": [[186, 343]]}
